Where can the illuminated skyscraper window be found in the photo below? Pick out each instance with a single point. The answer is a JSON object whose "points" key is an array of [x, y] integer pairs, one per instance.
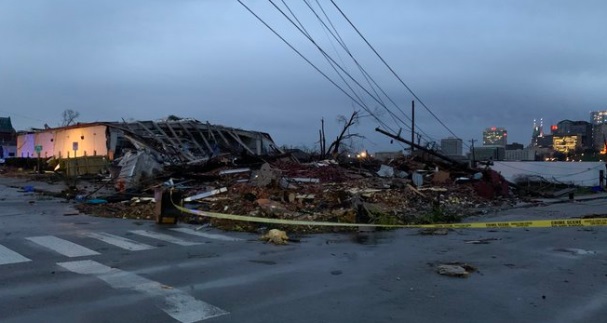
{"points": [[495, 137], [599, 129]]}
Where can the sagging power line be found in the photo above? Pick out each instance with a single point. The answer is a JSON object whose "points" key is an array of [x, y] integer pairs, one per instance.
{"points": [[373, 89]]}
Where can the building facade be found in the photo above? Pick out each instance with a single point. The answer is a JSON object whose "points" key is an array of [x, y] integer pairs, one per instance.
{"points": [[567, 144], [488, 153], [598, 119], [537, 133], [452, 146], [495, 137], [8, 138], [569, 135], [526, 154]]}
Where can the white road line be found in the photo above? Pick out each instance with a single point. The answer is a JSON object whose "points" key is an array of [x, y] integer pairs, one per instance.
{"points": [[8, 256], [119, 242], [164, 237], [179, 305], [63, 247], [206, 235]]}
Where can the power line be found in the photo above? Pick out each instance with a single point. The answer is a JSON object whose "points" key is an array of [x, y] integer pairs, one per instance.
{"points": [[391, 70], [20, 115], [306, 33], [336, 64], [365, 74], [309, 62], [343, 45]]}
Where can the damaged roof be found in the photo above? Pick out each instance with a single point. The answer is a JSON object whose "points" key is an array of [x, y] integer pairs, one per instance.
{"points": [[189, 140]]}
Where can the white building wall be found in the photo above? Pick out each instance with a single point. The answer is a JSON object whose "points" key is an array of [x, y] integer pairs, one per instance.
{"points": [[577, 173], [25, 145], [90, 141]]}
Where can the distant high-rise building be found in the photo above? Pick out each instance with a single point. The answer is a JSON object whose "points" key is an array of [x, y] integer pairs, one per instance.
{"points": [[538, 132], [451, 146], [598, 117], [571, 136], [495, 137], [599, 129]]}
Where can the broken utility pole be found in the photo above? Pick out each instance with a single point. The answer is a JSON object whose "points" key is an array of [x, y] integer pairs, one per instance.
{"points": [[473, 165], [429, 151], [412, 123]]}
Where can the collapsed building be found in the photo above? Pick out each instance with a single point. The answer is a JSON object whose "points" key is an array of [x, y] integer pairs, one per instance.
{"points": [[227, 170], [140, 147]]}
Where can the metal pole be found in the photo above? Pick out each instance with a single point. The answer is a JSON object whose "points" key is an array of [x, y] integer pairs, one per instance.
{"points": [[473, 156], [412, 124], [431, 152], [39, 164]]}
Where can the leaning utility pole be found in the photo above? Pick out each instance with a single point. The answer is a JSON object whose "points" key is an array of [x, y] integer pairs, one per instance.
{"points": [[412, 124], [429, 151]]}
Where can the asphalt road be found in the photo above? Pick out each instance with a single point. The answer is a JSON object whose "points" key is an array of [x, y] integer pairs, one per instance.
{"points": [[57, 268]]}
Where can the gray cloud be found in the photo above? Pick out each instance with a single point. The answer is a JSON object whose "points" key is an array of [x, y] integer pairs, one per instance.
{"points": [[475, 64]]}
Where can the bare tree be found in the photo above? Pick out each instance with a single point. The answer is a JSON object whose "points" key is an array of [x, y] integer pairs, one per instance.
{"points": [[345, 133], [69, 116]]}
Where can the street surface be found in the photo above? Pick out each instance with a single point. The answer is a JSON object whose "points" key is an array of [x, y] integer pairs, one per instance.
{"points": [[80, 268]]}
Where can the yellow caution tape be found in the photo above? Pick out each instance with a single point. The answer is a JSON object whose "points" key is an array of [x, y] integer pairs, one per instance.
{"points": [[471, 225]]}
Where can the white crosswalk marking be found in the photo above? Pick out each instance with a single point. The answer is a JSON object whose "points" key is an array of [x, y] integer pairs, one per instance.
{"points": [[179, 305], [164, 237], [206, 235], [119, 242], [63, 247], [8, 256]]}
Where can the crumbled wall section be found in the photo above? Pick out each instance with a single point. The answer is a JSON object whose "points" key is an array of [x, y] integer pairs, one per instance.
{"points": [[191, 141]]}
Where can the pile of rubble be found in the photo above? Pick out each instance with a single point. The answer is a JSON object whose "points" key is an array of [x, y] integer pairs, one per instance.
{"points": [[402, 191]]}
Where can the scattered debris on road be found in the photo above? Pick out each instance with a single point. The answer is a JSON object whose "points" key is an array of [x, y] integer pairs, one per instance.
{"points": [[455, 269], [481, 241], [434, 231], [275, 236]]}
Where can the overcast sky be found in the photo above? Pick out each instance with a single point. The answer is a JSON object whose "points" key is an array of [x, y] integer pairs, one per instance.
{"points": [[475, 64]]}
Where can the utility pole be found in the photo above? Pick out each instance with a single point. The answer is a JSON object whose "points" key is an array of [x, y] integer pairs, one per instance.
{"points": [[473, 157], [397, 137], [412, 124]]}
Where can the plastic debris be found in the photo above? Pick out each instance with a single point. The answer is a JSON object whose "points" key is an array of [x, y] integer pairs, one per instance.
{"points": [[275, 236], [461, 270]]}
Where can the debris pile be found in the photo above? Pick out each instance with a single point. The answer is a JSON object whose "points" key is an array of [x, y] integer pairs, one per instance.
{"points": [[227, 170], [402, 191], [455, 269]]}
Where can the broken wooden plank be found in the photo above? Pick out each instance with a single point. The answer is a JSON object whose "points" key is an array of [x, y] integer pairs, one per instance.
{"points": [[183, 143], [304, 180], [185, 129], [176, 145], [205, 194], [202, 135], [409, 186], [234, 171], [235, 136]]}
